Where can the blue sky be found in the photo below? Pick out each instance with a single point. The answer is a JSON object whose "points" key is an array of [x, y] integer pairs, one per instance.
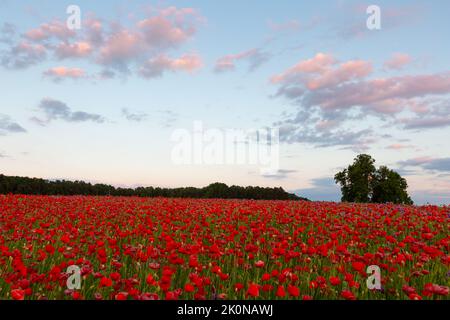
{"points": [[100, 103]]}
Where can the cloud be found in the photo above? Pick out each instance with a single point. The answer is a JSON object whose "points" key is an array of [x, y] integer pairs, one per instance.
{"points": [[329, 94], [280, 174], [426, 123], [58, 74], [156, 67], [441, 164], [428, 163], [322, 71], [137, 117], [108, 44], [7, 125], [23, 55], [168, 29], [55, 29], [7, 32], [299, 132], [399, 146], [317, 64], [398, 61], [323, 189], [79, 49], [119, 49], [254, 57], [168, 117], [347, 95], [106, 74], [57, 110]]}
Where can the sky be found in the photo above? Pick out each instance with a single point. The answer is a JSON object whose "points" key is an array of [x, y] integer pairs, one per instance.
{"points": [[101, 100]]}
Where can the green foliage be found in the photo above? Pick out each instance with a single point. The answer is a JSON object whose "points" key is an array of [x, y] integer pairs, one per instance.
{"points": [[23, 185], [362, 182]]}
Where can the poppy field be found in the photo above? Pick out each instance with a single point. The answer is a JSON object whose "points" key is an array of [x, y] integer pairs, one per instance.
{"points": [[160, 248]]}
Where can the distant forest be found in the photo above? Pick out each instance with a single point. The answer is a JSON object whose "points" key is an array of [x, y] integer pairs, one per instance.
{"points": [[36, 186]]}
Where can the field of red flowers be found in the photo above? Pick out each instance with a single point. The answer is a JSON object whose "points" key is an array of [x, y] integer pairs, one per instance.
{"points": [[141, 248]]}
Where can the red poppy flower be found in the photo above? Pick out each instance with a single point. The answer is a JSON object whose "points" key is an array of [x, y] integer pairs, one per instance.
{"points": [[150, 280], [189, 287], [280, 292], [335, 281], [253, 290], [238, 286], [18, 294], [105, 282], [358, 266], [122, 296], [265, 277], [259, 264], [348, 295]]}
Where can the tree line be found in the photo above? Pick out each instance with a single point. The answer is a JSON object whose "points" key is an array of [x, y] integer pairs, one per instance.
{"points": [[37, 186]]}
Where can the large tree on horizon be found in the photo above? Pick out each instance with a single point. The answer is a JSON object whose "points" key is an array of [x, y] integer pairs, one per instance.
{"points": [[362, 182]]}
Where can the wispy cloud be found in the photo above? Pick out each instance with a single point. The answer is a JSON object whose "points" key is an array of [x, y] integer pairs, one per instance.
{"points": [[280, 174], [57, 110], [428, 163], [398, 61], [134, 116], [157, 66], [7, 125], [254, 58], [58, 74]]}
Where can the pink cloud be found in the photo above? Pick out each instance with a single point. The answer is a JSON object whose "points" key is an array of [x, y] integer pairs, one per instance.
{"points": [[228, 62], [110, 45], [152, 36], [318, 64], [94, 30], [330, 94], [347, 88], [187, 62], [73, 50], [170, 28], [399, 146], [398, 61], [323, 71], [60, 73], [45, 31], [377, 91], [120, 47], [346, 71], [155, 67]]}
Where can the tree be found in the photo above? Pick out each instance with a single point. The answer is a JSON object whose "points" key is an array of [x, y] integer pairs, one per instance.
{"points": [[362, 182], [389, 186], [356, 179]]}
